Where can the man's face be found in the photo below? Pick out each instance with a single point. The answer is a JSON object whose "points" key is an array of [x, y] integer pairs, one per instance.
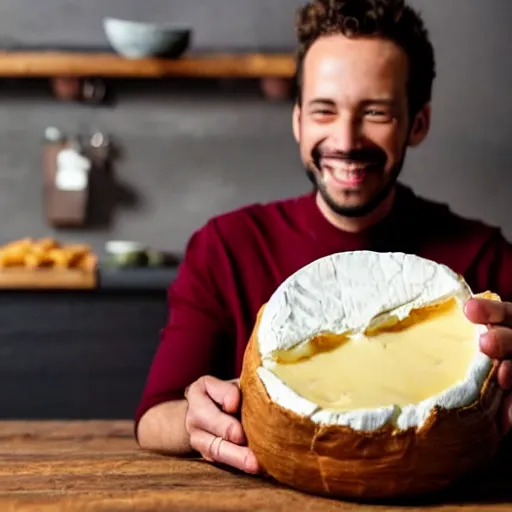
{"points": [[353, 126]]}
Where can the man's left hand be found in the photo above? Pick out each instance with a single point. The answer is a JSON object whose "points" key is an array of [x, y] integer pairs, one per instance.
{"points": [[496, 344]]}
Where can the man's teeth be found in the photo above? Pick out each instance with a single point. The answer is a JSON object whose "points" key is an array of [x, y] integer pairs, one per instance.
{"points": [[345, 173]]}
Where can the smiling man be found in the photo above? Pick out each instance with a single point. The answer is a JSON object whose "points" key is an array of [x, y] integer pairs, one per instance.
{"points": [[354, 120], [365, 74]]}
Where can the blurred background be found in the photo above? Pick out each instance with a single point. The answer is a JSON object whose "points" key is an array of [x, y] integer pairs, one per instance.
{"points": [[196, 149], [189, 148]]}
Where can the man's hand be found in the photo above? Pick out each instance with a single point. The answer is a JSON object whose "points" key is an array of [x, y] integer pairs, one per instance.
{"points": [[496, 344], [211, 424]]}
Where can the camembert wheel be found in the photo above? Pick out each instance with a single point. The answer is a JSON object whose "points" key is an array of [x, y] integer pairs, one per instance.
{"points": [[363, 378]]}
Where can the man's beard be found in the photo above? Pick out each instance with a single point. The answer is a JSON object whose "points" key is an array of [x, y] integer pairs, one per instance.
{"points": [[376, 157]]}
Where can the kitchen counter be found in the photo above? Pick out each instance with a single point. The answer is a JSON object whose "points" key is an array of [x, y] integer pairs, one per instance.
{"points": [[135, 278], [96, 466], [81, 354], [103, 278]]}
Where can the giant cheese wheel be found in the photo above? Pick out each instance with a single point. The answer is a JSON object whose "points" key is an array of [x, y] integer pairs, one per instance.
{"points": [[364, 379]]}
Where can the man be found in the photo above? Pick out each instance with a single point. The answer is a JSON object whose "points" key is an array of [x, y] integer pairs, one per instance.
{"points": [[365, 73]]}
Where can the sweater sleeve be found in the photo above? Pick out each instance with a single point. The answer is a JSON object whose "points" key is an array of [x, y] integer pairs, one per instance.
{"points": [[198, 321], [492, 269]]}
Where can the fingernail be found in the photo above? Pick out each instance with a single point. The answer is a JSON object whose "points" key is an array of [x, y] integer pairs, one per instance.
{"points": [[229, 433], [251, 463], [235, 434], [230, 404]]}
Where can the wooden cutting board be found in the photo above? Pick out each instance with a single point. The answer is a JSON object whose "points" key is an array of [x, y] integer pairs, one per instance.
{"points": [[50, 278]]}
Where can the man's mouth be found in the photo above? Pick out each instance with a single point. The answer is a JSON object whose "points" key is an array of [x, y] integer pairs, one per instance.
{"points": [[346, 173]]}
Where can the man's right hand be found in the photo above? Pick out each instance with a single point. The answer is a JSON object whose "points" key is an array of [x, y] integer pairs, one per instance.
{"points": [[212, 426]]}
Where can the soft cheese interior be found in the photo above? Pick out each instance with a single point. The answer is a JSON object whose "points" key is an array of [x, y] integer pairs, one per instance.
{"points": [[404, 364], [364, 338]]}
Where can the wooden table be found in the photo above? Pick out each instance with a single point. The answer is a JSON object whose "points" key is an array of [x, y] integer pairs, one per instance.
{"points": [[96, 466]]}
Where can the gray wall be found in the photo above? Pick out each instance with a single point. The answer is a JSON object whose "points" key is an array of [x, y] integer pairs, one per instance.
{"points": [[244, 23], [191, 155]]}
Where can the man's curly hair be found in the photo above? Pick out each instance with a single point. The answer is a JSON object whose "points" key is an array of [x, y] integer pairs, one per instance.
{"points": [[389, 19]]}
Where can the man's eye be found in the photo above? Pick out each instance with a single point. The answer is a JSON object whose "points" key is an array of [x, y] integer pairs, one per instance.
{"points": [[323, 112], [378, 115]]}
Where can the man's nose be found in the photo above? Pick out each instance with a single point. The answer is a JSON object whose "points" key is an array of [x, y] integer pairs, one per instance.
{"points": [[346, 133]]}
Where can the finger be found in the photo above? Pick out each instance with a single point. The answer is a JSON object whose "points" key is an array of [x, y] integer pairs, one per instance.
{"points": [[505, 375], [203, 414], [496, 343], [219, 450], [485, 311], [225, 393], [506, 414]]}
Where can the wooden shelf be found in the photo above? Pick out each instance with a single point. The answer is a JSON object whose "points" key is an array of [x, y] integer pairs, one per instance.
{"points": [[108, 65]]}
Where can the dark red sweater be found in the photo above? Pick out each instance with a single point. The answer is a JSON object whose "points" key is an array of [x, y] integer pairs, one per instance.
{"points": [[235, 262]]}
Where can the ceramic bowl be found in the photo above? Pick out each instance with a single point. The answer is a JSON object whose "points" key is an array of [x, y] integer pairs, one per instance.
{"points": [[137, 39]]}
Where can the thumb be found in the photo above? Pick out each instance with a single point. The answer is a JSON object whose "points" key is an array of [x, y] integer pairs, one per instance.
{"points": [[233, 399], [224, 393]]}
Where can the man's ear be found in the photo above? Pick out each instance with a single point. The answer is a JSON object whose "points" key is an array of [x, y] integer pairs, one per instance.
{"points": [[420, 126], [296, 122]]}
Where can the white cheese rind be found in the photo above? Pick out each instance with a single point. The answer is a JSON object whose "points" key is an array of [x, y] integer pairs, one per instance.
{"points": [[348, 292], [345, 291]]}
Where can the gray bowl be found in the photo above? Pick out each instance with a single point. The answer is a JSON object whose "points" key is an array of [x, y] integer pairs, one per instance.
{"points": [[136, 39]]}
